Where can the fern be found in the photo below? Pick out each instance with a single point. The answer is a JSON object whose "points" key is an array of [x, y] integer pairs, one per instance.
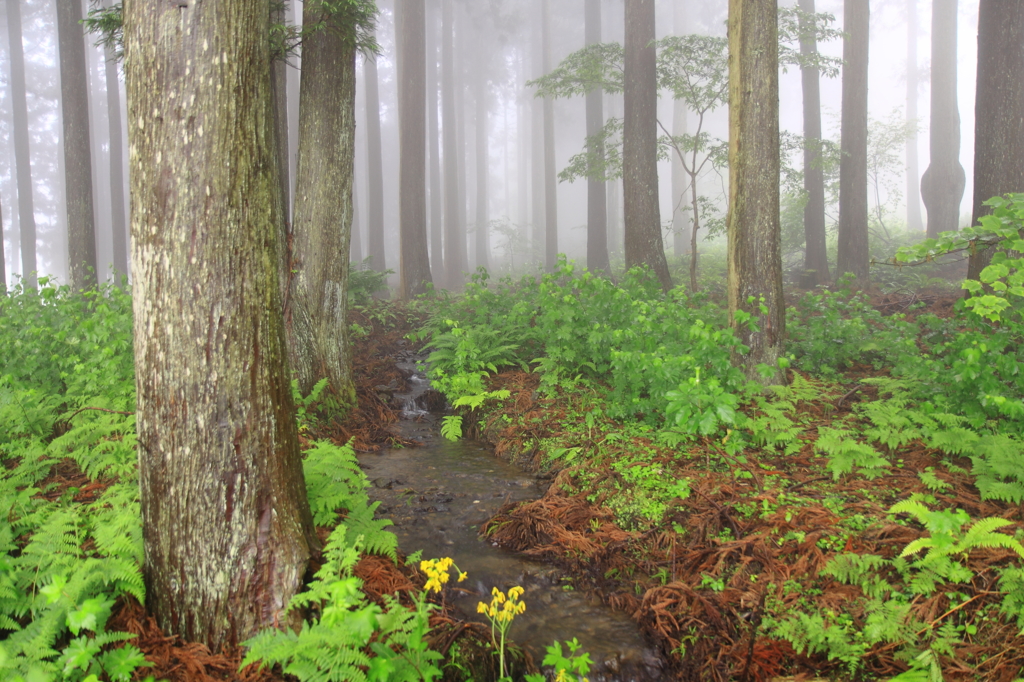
{"points": [[334, 481], [846, 454], [451, 427], [861, 570]]}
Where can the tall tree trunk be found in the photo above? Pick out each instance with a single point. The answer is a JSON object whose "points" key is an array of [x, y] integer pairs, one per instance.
{"points": [[943, 182], [375, 167], [355, 249], [227, 528], [815, 256], [680, 216], [853, 166], [3, 258], [614, 190], [279, 93], [22, 158], [537, 155], [483, 169], [597, 193], [644, 245], [410, 31], [755, 242], [454, 231], [550, 179], [293, 10], [118, 206], [318, 293], [998, 113], [74, 97], [914, 222], [434, 149]]}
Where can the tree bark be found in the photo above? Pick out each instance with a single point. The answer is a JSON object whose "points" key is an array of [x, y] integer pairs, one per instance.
{"points": [[454, 231], [597, 193], [118, 224], [279, 92], [483, 170], [410, 30], [815, 256], [74, 97], [550, 175], [644, 246], [375, 167], [998, 113], [318, 293], [226, 524], [943, 182], [853, 166], [22, 157], [914, 221], [681, 235], [754, 230], [434, 148]]}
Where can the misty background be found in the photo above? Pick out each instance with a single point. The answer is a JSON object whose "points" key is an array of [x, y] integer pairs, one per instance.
{"points": [[496, 45]]}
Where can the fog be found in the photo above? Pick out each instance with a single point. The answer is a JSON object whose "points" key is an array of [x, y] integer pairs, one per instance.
{"points": [[500, 40]]}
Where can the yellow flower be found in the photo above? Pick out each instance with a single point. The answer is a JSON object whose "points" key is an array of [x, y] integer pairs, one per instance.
{"points": [[481, 607], [462, 576]]}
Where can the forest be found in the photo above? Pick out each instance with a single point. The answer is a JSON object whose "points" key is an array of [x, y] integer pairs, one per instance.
{"points": [[512, 340]]}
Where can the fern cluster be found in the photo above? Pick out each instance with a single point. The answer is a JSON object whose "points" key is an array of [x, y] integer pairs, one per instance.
{"points": [[349, 638]]}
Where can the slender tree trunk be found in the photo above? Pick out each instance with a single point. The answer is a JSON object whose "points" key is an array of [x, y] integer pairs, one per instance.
{"points": [[597, 193], [943, 182], [755, 243], [118, 223], [681, 235], [815, 256], [537, 156], [644, 245], [614, 189], [914, 222], [74, 97], [523, 154], [410, 31], [293, 8], [226, 524], [375, 167], [318, 293], [483, 242], [998, 113], [22, 158], [355, 249], [434, 149], [550, 179], [853, 166], [3, 259], [454, 231], [461, 147]]}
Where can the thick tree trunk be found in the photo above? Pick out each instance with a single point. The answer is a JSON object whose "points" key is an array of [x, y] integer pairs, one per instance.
{"points": [[118, 224], [318, 293], [644, 244], [681, 227], [454, 231], [226, 524], [550, 179], [815, 257], [853, 166], [998, 113], [74, 97], [483, 242], [22, 158], [942, 185], [375, 167], [914, 221], [434, 149], [755, 244], [410, 31], [597, 193]]}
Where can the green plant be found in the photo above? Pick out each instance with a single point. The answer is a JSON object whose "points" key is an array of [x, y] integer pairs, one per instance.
{"points": [[332, 645], [501, 612], [575, 666]]}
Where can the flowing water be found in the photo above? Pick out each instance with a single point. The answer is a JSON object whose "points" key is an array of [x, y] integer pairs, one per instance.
{"points": [[440, 493]]}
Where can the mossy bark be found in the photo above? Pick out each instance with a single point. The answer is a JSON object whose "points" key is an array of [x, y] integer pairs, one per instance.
{"points": [[755, 244], [321, 232], [226, 523]]}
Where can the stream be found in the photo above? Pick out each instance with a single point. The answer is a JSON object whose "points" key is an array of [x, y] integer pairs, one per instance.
{"points": [[440, 493]]}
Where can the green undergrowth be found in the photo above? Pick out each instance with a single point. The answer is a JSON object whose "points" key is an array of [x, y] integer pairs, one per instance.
{"points": [[71, 538], [638, 400]]}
